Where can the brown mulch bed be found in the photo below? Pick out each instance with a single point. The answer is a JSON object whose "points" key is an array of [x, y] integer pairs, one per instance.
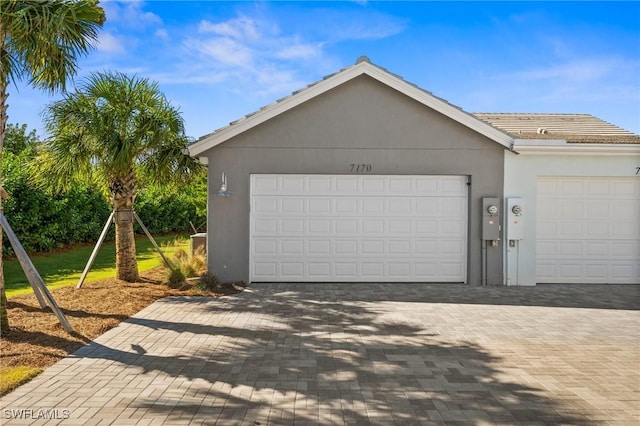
{"points": [[37, 339]]}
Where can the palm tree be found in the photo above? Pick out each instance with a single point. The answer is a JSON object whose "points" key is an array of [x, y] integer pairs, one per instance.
{"points": [[117, 131], [41, 40]]}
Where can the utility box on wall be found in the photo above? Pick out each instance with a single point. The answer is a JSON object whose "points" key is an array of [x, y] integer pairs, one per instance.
{"points": [[491, 219], [515, 219]]}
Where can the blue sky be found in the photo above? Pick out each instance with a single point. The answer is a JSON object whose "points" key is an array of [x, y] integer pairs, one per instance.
{"points": [[218, 61]]}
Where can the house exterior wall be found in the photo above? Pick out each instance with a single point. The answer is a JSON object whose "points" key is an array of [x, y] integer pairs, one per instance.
{"points": [[521, 174], [359, 122]]}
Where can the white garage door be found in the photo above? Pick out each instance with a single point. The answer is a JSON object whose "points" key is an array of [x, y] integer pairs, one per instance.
{"points": [[588, 230], [319, 228]]}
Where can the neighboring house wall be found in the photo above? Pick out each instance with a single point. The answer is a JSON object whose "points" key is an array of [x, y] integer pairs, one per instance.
{"points": [[365, 122], [521, 175]]}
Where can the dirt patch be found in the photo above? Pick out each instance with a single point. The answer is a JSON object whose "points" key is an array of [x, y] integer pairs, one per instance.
{"points": [[36, 338]]}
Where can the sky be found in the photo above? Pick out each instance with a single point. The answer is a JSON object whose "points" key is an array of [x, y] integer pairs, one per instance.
{"points": [[218, 61]]}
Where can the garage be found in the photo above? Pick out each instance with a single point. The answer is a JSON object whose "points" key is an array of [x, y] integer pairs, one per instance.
{"points": [[588, 230], [358, 228], [359, 177]]}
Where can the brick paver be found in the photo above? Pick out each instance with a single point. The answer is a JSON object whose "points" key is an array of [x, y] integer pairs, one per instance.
{"points": [[356, 354]]}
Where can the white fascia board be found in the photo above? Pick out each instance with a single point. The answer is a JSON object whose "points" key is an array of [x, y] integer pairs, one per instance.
{"points": [[551, 147], [335, 80]]}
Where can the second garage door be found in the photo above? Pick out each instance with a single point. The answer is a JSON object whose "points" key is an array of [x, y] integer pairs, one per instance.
{"points": [[588, 230], [358, 228]]}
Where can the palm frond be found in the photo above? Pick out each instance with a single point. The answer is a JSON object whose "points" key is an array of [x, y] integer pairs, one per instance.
{"points": [[113, 125], [45, 38]]}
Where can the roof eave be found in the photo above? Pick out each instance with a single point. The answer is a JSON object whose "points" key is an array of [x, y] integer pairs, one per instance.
{"points": [[559, 146]]}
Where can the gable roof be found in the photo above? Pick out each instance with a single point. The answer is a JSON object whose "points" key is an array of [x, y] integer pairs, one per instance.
{"points": [[362, 67], [572, 128]]}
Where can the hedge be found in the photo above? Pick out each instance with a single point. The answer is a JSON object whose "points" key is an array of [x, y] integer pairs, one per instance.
{"points": [[44, 222]]}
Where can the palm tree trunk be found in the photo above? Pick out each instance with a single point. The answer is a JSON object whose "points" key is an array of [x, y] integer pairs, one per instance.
{"points": [[126, 264], [4, 318], [123, 195]]}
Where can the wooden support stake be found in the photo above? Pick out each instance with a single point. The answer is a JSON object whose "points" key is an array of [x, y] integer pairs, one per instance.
{"points": [[39, 288], [27, 267], [146, 231], [94, 253]]}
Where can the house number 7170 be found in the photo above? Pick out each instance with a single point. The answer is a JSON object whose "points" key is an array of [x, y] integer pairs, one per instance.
{"points": [[360, 168]]}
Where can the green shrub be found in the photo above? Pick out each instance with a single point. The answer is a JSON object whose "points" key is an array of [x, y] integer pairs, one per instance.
{"points": [[209, 282], [175, 278], [43, 221]]}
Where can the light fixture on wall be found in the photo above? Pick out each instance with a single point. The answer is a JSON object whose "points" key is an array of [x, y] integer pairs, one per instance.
{"points": [[223, 192]]}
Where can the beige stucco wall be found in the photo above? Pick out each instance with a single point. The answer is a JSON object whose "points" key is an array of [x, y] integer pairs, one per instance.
{"points": [[361, 122]]}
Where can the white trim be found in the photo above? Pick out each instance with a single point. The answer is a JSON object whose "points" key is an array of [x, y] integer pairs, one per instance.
{"points": [[335, 80], [553, 147]]}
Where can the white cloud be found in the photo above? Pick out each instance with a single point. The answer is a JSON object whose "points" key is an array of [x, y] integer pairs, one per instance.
{"points": [[576, 72], [223, 52], [262, 55], [240, 28], [580, 83], [108, 43], [299, 51], [129, 14], [162, 34]]}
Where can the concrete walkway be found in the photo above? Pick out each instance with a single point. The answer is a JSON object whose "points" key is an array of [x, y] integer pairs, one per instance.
{"points": [[356, 354]]}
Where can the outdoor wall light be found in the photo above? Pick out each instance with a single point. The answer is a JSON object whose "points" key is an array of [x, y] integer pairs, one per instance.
{"points": [[223, 192]]}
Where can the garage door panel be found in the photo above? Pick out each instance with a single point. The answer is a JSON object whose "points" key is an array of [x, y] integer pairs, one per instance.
{"points": [[426, 228], [597, 229], [318, 226], [588, 230], [399, 227], [400, 247], [626, 210], [358, 228], [570, 209], [266, 184], [400, 206], [373, 206], [265, 205], [372, 270], [625, 250], [319, 270], [345, 185], [452, 228], [293, 205], [266, 269], [625, 230], [291, 226], [400, 184], [373, 226], [596, 209]]}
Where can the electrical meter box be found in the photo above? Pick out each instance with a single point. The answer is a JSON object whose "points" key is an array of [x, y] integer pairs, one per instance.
{"points": [[491, 219], [515, 218]]}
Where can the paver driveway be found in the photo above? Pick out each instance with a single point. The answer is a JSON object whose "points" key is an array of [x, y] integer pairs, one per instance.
{"points": [[356, 354]]}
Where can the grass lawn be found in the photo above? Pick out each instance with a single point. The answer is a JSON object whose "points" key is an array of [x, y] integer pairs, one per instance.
{"points": [[64, 268]]}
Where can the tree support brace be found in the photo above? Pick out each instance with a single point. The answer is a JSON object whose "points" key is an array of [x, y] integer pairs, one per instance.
{"points": [[39, 288], [101, 240]]}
